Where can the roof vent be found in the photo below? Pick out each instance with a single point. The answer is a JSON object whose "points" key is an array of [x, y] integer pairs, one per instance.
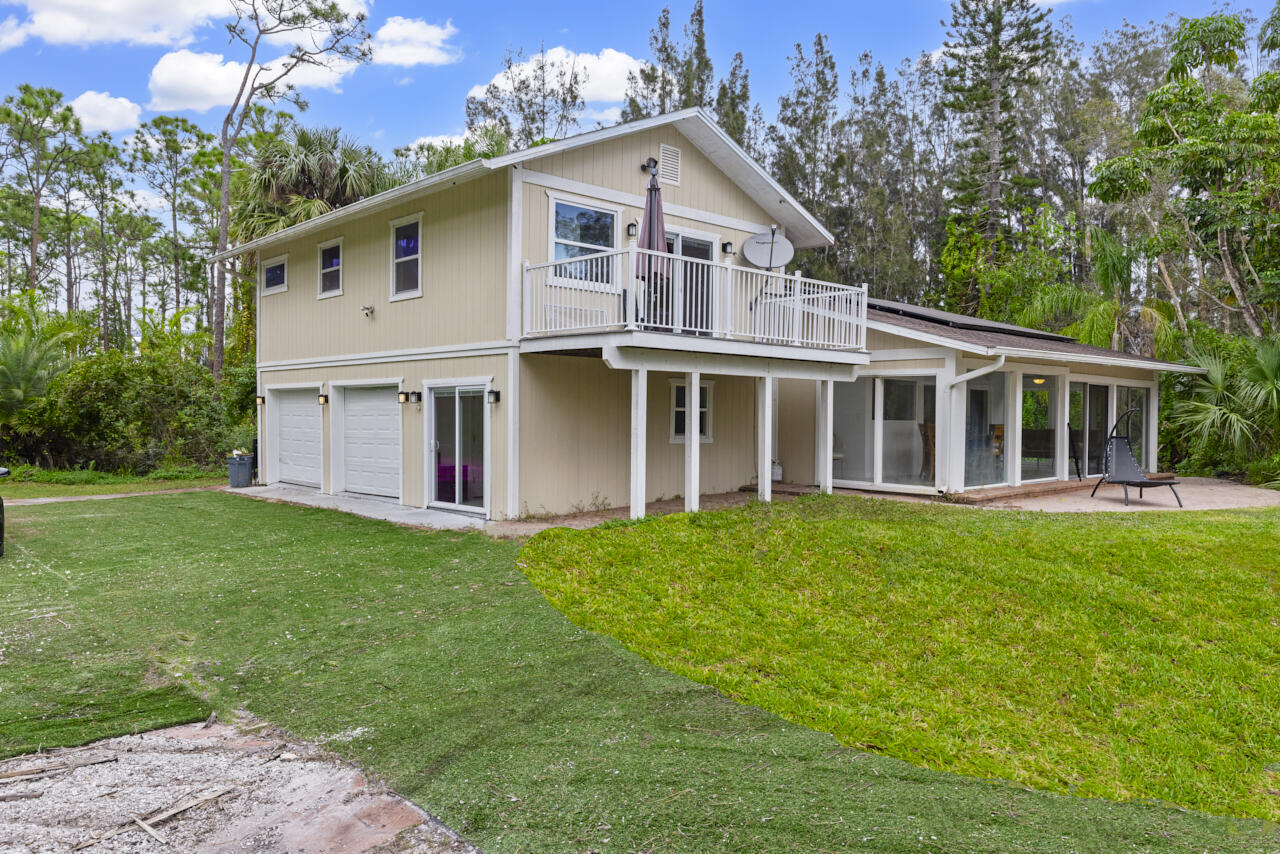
{"points": [[669, 165]]}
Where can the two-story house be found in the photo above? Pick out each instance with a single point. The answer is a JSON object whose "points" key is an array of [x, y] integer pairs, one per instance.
{"points": [[489, 340]]}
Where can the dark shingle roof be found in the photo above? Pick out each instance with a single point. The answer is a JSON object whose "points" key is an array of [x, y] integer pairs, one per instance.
{"points": [[1001, 337]]}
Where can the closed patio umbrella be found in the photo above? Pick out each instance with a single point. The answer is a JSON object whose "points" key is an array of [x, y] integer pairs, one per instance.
{"points": [[655, 272]]}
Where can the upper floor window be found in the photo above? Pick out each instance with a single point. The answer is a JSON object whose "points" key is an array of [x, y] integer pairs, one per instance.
{"points": [[680, 411], [331, 268], [580, 230], [275, 274], [406, 257]]}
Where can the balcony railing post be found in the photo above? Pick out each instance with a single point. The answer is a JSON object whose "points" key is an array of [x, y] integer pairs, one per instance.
{"points": [[631, 296], [796, 307], [526, 287]]}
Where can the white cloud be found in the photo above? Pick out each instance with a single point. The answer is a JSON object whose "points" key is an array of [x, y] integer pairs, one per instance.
{"points": [[12, 33], [606, 72], [606, 115], [82, 22], [439, 139], [186, 80], [411, 41], [100, 111]]}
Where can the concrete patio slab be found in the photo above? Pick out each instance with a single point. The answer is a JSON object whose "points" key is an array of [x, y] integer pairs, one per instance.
{"points": [[370, 507], [1198, 493]]}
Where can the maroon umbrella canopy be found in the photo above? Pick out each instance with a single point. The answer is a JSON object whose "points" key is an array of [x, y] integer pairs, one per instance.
{"points": [[653, 233]]}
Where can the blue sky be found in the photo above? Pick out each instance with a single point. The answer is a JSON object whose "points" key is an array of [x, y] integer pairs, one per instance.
{"points": [[123, 61]]}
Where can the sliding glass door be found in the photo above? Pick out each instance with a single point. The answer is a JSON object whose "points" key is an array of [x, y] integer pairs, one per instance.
{"points": [[1098, 424], [1134, 398], [1039, 427], [457, 447], [884, 431]]}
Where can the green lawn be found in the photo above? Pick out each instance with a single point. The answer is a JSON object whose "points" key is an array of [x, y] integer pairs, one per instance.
{"points": [[1105, 655], [32, 482], [470, 693]]}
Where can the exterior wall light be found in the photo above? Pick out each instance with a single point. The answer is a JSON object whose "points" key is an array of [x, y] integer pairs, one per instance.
{"points": [[727, 247], [403, 397], [1038, 380], [649, 166], [322, 398], [493, 395], [260, 400], [409, 397], [632, 230]]}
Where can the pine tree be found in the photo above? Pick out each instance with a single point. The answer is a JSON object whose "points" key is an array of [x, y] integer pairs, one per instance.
{"points": [[680, 74], [994, 49]]}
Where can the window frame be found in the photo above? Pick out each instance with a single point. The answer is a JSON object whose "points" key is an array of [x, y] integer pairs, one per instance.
{"points": [[415, 218], [596, 205], [282, 260], [709, 436], [321, 293]]}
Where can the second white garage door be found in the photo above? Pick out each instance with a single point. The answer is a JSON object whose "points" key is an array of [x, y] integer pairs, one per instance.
{"points": [[371, 441]]}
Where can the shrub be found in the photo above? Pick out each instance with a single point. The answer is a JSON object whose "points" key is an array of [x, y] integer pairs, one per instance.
{"points": [[113, 411]]}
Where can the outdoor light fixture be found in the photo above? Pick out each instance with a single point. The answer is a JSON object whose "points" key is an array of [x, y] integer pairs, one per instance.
{"points": [[493, 395], [260, 400], [727, 247], [632, 228], [322, 398], [409, 397], [650, 166], [1038, 380], [403, 397]]}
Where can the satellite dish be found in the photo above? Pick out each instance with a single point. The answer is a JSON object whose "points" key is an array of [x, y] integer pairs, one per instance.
{"points": [[768, 250]]}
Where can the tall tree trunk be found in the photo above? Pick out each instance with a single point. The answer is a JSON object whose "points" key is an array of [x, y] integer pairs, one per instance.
{"points": [[1237, 288], [219, 295], [32, 273]]}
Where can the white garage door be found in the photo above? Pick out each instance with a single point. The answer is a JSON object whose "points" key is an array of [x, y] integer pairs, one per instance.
{"points": [[371, 441], [298, 440]]}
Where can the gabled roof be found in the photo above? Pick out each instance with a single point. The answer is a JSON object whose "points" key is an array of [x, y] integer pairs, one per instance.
{"points": [[694, 124], [988, 338]]}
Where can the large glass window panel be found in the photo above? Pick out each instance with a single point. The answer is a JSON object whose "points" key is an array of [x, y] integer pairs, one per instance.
{"points": [[1134, 398], [1097, 420], [446, 450], [406, 258], [582, 225], [1039, 427], [331, 269], [985, 453], [852, 447], [1076, 405], [471, 447], [908, 432]]}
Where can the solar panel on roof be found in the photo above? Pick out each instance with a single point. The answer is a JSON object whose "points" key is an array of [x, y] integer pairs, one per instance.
{"points": [[960, 321]]}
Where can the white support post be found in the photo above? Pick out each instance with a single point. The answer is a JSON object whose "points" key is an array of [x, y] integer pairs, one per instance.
{"points": [[764, 437], [692, 440], [825, 400], [639, 438]]}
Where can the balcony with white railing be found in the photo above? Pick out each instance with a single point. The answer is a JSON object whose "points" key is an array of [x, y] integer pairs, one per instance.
{"points": [[641, 290]]}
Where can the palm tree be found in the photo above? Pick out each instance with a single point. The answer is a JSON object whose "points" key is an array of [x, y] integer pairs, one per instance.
{"points": [[302, 174], [427, 158], [1261, 384], [1110, 316], [1234, 403]]}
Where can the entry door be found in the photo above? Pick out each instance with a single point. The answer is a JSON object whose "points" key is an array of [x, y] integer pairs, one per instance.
{"points": [[371, 441], [457, 447], [298, 436], [1098, 424], [693, 284]]}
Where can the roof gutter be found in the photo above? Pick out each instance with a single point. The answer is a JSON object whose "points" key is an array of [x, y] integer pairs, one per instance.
{"points": [[978, 372]]}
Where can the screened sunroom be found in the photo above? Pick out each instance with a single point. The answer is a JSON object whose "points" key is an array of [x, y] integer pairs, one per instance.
{"points": [[950, 404]]}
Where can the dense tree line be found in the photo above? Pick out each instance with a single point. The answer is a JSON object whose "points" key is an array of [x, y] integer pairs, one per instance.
{"points": [[1122, 191]]}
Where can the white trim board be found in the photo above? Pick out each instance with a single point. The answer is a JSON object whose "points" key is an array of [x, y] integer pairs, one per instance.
{"points": [[491, 348], [691, 345]]}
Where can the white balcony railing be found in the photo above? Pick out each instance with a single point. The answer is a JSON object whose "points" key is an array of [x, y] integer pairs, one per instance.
{"points": [[644, 290]]}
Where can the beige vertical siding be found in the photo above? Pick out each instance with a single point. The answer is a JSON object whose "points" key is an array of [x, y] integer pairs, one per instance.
{"points": [[797, 430], [464, 239], [575, 436], [616, 163], [413, 417]]}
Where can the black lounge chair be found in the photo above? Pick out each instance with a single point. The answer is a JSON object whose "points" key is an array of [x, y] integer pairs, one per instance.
{"points": [[1119, 465]]}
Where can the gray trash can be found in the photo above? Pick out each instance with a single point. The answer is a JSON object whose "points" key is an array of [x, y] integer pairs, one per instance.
{"points": [[241, 470]]}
